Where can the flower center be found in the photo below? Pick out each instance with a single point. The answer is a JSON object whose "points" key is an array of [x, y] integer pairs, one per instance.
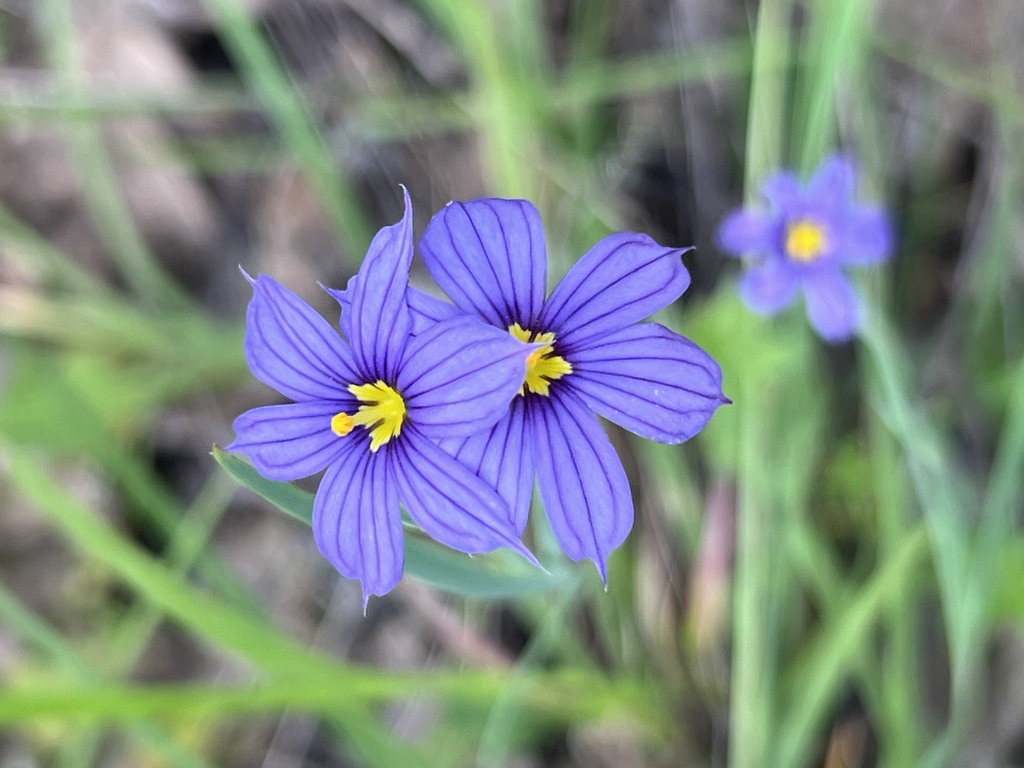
{"points": [[542, 366], [383, 413], [805, 240]]}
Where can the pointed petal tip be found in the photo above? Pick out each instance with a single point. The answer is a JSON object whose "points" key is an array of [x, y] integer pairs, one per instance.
{"points": [[366, 601], [520, 549], [247, 276]]}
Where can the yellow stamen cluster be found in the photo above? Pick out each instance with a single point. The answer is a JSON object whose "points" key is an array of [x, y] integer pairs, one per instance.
{"points": [[383, 413], [805, 241], [542, 366]]}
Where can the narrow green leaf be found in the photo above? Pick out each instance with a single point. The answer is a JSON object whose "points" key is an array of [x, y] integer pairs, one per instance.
{"points": [[834, 48], [557, 697], [491, 576]]}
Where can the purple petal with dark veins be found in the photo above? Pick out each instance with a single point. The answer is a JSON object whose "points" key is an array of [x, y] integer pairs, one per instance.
{"points": [[501, 456], [357, 523], [424, 309], [582, 483], [293, 349], [379, 323], [286, 442], [449, 502], [489, 257], [427, 310], [832, 305], [649, 380], [459, 376], [624, 278], [344, 299]]}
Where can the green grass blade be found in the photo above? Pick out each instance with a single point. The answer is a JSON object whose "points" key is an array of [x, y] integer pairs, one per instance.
{"points": [[506, 82], [837, 647], [766, 116], [835, 44], [751, 712], [942, 492], [557, 698]]}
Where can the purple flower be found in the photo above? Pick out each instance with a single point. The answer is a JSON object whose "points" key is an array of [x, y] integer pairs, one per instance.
{"points": [[489, 257], [371, 410], [804, 239]]}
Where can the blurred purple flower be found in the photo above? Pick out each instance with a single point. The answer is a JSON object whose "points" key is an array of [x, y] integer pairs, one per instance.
{"points": [[371, 410], [804, 239], [489, 257]]}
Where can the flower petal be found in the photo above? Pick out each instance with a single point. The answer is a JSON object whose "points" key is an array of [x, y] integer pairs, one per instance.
{"points": [[582, 483], [748, 231], [427, 310], [459, 376], [424, 309], [379, 323], [624, 278], [649, 380], [834, 183], [783, 192], [357, 523], [449, 502], [503, 458], [767, 288], [832, 305], [286, 442], [344, 299], [293, 349], [866, 237], [489, 256]]}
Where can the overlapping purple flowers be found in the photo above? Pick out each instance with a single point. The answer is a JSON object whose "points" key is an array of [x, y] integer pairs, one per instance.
{"points": [[371, 411], [452, 410], [489, 256], [804, 239]]}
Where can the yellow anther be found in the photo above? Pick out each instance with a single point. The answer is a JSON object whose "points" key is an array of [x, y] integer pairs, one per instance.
{"points": [[341, 424], [383, 413], [805, 240], [542, 366]]}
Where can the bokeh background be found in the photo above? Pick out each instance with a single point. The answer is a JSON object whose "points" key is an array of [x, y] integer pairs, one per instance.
{"points": [[831, 574]]}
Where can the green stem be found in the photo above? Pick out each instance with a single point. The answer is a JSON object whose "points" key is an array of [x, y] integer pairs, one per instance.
{"points": [[750, 708]]}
